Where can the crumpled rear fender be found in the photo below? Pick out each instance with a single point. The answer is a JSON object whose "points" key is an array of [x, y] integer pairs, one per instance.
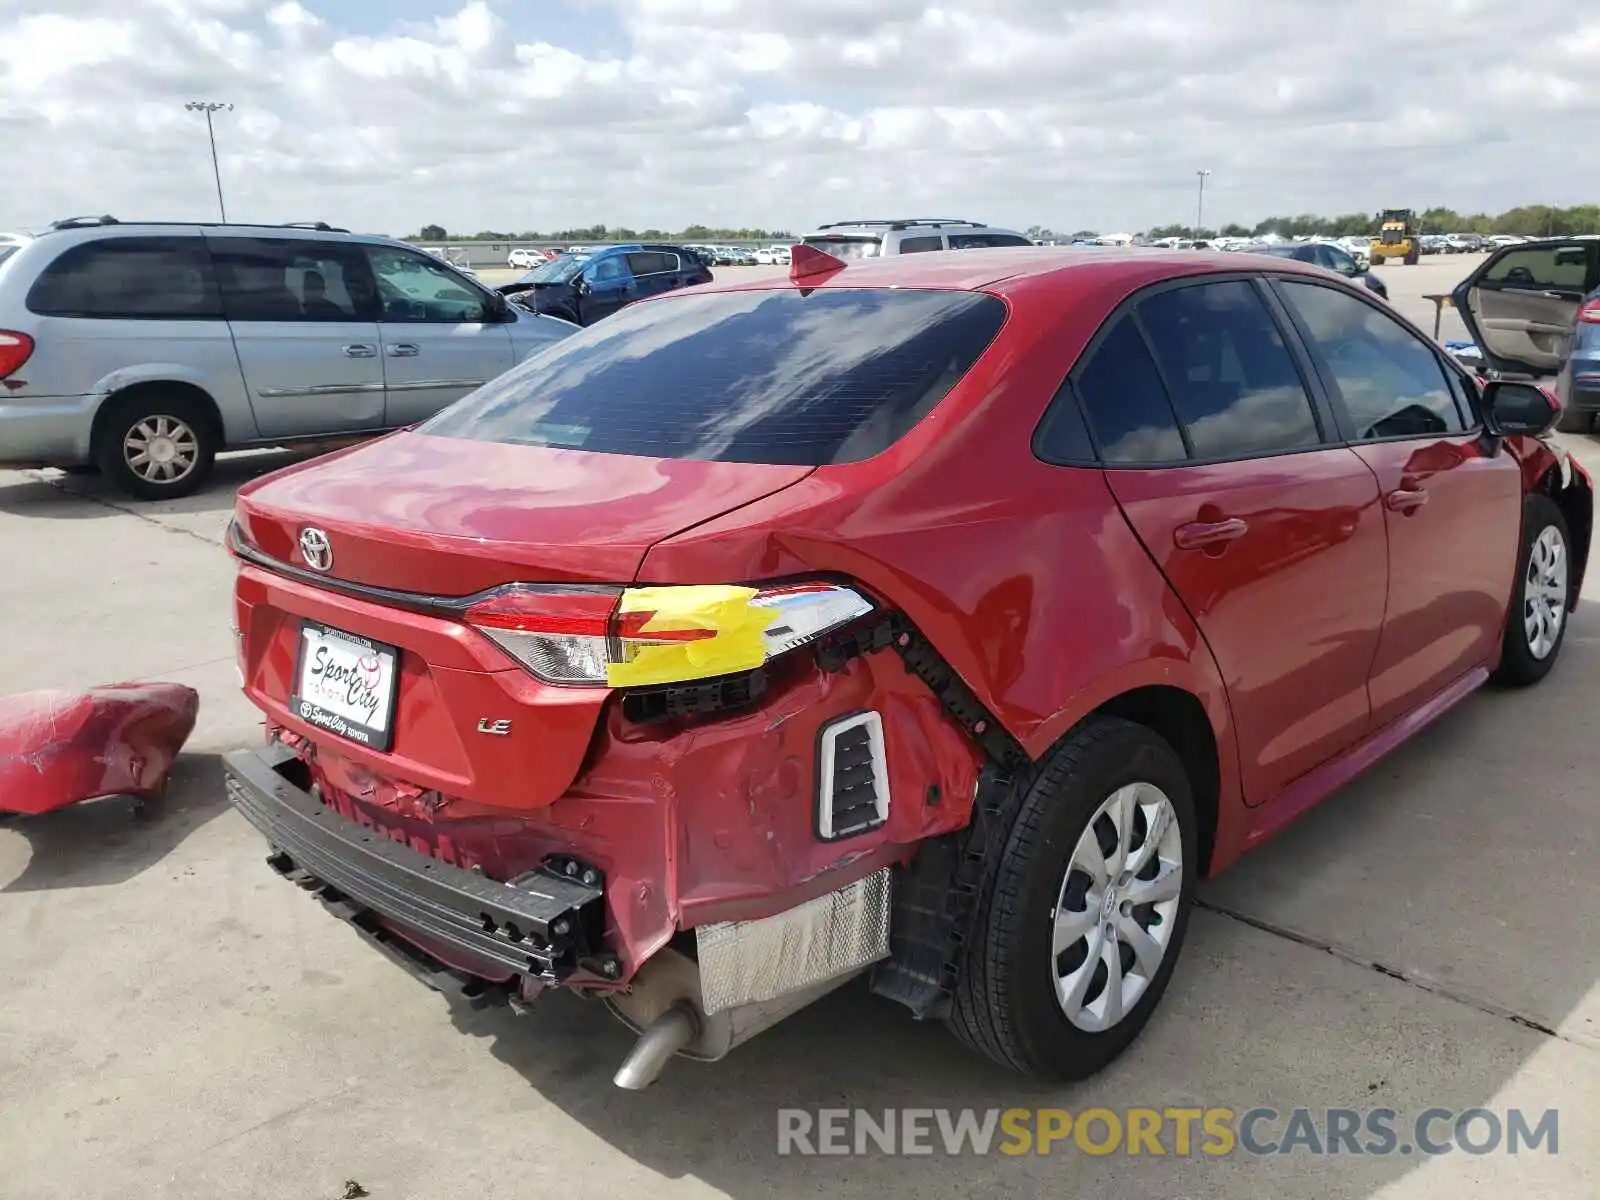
{"points": [[60, 746]]}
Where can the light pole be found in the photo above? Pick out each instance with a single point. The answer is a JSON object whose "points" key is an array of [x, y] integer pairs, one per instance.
{"points": [[208, 107], [1200, 202]]}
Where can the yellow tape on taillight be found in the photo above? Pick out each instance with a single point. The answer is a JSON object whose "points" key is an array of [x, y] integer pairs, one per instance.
{"points": [[724, 634]]}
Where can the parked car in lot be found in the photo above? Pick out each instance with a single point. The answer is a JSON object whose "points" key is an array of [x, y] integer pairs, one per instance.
{"points": [[1534, 309], [525, 258], [911, 235], [584, 288], [145, 348], [661, 655], [1329, 256]]}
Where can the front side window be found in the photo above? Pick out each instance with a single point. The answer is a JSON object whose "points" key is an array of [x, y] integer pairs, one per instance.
{"points": [[776, 377], [283, 279], [1340, 261], [1389, 381], [1233, 381], [847, 247], [606, 271], [414, 287], [138, 278]]}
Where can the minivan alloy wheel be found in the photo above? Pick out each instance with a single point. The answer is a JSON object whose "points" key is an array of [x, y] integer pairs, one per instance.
{"points": [[1544, 598], [1117, 907], [161, 449]]}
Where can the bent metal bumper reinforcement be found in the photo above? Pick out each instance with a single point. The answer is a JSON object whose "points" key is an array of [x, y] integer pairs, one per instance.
{"points": [[546, 924]]}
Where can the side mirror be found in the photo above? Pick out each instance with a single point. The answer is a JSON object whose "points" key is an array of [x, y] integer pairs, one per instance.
{"points": [[1513, 409], [582, 287]]}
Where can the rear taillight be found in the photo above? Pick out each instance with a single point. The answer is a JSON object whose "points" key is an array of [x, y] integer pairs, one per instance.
{"points": [[1589, 314], [15, 349], [628, 637]]}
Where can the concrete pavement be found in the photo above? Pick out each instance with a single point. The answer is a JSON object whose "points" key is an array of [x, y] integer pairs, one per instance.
{"points": [[177, 1022]]}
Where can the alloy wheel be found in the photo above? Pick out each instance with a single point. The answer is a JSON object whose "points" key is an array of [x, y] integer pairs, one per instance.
{"points": [[1544, 592], [1117, 907], [161, 449]]}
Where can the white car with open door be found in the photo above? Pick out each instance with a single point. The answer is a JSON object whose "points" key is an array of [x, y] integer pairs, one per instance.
{"points": [[1523, 307]]}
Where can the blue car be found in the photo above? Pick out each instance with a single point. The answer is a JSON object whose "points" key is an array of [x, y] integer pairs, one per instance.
{"points": [[589, 285], [1534, 308]]}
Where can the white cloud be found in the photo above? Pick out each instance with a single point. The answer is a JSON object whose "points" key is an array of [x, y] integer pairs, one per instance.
{"points": [[791, 112]]}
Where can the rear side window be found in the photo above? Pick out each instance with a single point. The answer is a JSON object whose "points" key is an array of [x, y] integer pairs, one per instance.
{"points": [[149, 278], [1129, 413], [651, 262], [921, 245], [285, 279], [1557, 266], [973, 241], [1232, 379], [760, 377]]}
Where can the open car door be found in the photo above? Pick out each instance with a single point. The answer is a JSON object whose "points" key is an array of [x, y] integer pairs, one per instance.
{"points": [[1521, 304]]}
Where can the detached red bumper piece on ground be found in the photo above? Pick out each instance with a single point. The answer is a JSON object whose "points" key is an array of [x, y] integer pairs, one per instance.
{"points": [[60, 746]]}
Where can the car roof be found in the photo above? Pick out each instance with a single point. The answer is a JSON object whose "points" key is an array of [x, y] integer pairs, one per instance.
{"points": [[1013, 268]]}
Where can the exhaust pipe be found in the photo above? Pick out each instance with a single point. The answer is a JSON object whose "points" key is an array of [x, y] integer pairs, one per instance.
{"points": [[662, 1039]]}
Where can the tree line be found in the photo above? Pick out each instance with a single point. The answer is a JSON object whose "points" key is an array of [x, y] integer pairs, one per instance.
{"points": [[1529, 220], [605, 233]]}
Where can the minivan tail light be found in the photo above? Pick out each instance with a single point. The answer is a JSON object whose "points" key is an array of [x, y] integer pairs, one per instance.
{"points": [[1589, 314], [630, 637], [15, 349]]}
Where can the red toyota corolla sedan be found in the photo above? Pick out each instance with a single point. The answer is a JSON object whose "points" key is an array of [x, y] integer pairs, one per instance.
{"points": [[944, 617]]}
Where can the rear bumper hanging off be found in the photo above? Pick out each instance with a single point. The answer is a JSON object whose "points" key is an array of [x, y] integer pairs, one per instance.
{"points": [[544, 925]]}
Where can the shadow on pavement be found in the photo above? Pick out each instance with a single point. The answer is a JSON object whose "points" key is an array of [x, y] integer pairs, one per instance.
{"points": [[1440, 874], [106, 842], [51, 494]]}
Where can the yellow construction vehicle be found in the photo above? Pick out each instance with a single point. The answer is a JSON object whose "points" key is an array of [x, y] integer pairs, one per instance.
{"points": [[1399, 236]]}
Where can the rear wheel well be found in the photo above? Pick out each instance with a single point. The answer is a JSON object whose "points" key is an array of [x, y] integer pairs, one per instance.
{"points": [[151, 389], [1180, 718]]}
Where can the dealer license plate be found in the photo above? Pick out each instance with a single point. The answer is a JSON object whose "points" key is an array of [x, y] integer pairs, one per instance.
{"points": [[345, 684]]}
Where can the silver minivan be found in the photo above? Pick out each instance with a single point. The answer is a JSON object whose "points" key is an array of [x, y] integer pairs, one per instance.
{"points": [[143, 349]]}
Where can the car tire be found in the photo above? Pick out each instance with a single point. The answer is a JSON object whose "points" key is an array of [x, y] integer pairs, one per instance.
{"points": [[1540, 596], [181, 432], [1019, 977]]}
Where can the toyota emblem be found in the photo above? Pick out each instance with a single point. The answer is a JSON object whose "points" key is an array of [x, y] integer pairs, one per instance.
{"points": [[316, 549]]}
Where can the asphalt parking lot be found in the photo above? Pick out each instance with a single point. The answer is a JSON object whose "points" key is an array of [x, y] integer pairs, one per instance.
{"points": [[175, 1021]]}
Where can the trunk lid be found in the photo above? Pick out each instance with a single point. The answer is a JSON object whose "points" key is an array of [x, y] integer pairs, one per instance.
{"points": [[449, 516]]}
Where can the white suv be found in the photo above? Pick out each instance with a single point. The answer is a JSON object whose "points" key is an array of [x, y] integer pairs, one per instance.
{"points": [[912, 235], [145, 348]]}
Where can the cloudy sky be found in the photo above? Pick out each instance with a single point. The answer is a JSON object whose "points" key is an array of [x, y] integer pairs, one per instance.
{"points": [[387, 114]]}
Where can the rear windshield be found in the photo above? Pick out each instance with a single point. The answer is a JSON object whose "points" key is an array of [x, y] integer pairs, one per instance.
{"points": [[761, 377], [848, 247]]}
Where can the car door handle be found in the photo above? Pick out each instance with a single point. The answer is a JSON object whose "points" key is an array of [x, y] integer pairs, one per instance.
{"points": [[1197, 535], [403, 350], [1405, 500], [359, 350]]}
